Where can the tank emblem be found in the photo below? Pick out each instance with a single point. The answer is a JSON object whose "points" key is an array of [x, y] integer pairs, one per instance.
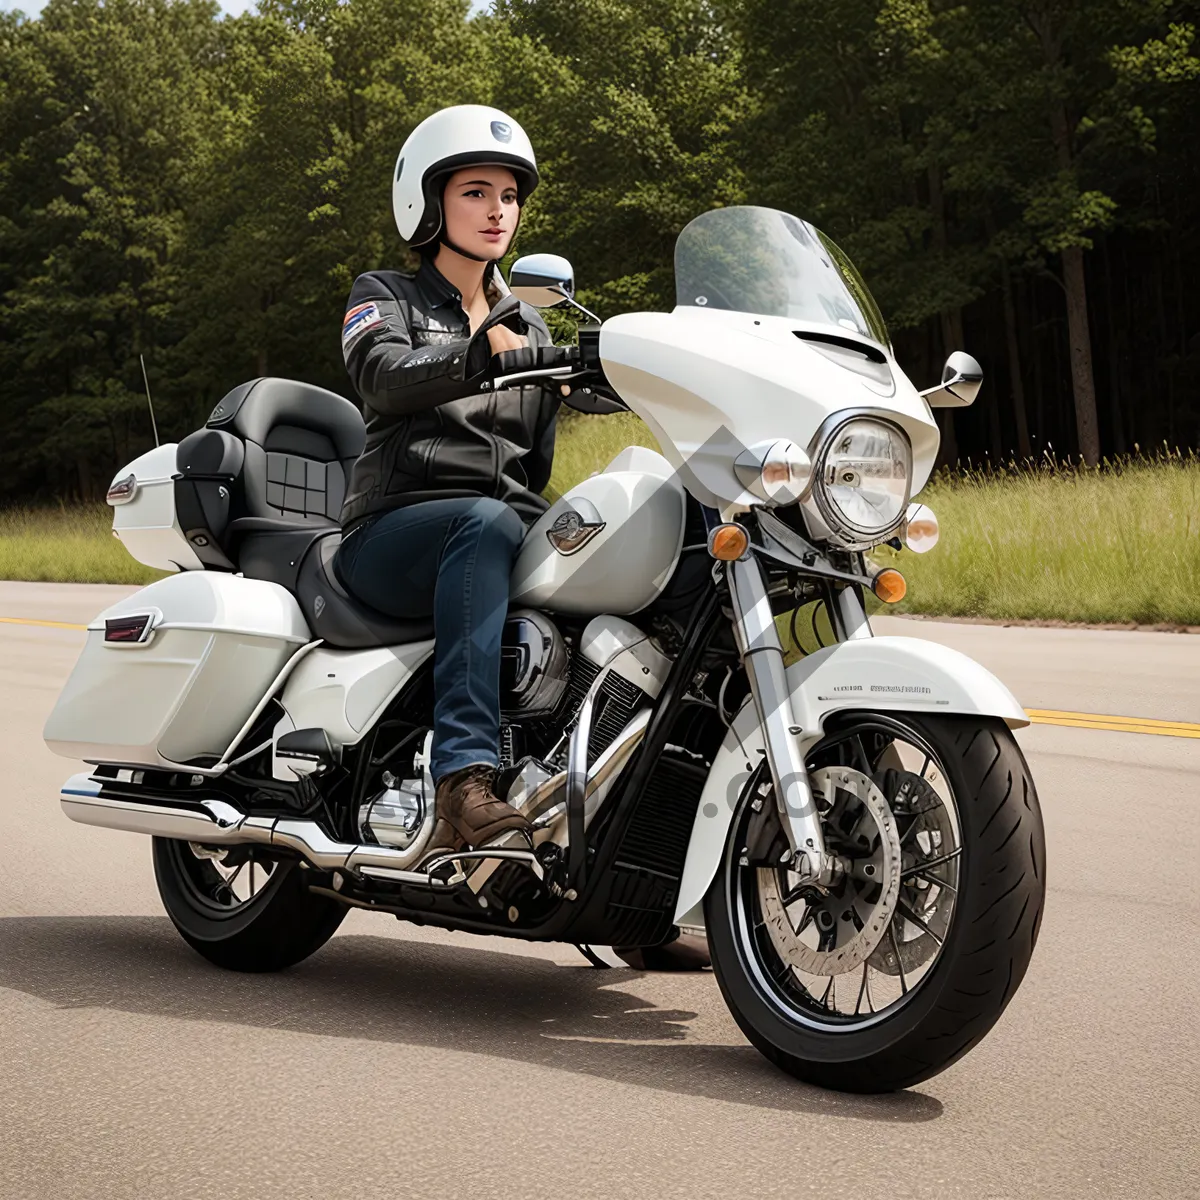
{"points": [[319, 606], [573, 530]]}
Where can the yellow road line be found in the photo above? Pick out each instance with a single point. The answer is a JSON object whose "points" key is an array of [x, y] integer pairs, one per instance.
{"points": [[1075, 720], [1152, 722], [1039, 716], [46, 624]]}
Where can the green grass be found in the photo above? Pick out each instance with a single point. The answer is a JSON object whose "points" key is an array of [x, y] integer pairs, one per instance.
{"points": [[66, 545], [1118, 544], [586, 444]]}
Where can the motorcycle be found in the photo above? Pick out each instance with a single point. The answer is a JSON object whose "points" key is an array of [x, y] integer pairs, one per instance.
{"points": [[855, 829]]}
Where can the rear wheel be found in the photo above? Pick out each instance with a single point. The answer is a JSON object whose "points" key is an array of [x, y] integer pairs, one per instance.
{"points": [[241, 908], [892, 975]]}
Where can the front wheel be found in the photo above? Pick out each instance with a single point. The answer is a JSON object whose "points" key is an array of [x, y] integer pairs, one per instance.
{"points": [[241, 908], [901, 968]]}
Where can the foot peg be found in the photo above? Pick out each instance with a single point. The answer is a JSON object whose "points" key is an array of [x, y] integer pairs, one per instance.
{"points": [[478, 866]]}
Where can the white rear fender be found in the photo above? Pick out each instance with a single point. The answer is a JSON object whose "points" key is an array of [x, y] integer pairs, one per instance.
{"points": [[882, 674]]}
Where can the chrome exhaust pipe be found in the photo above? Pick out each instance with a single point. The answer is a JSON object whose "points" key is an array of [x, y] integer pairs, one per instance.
{"points": [[214, 822], [217, 823]]}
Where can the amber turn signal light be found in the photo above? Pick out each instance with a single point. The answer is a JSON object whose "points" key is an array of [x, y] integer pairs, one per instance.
{"points": [[889, 586], [728, 542]]}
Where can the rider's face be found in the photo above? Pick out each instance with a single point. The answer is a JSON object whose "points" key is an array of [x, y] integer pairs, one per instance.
{"points": [[481, 210]]}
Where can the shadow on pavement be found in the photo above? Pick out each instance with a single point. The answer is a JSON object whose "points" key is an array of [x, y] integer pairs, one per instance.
{"points": [[416, 993]]}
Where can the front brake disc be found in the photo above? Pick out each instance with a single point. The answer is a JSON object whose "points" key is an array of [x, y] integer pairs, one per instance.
{"points": [[848, 921]]}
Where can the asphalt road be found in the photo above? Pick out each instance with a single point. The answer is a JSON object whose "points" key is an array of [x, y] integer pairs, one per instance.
{"points": [[400, 1062]]}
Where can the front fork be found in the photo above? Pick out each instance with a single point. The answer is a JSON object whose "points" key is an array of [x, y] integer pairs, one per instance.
{"points": [[762, 654]]}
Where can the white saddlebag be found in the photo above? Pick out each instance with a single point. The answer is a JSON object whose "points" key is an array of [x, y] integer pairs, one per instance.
{"points": [[210, 649]]}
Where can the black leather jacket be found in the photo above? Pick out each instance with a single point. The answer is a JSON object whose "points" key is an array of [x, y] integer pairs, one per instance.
{"points": [[431, 433]]}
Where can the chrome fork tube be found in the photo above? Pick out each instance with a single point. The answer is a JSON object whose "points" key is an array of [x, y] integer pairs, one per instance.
{"points": [[762, 655], [852, 616]]}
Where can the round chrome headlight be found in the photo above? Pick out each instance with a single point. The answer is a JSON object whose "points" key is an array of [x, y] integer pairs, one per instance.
{"points": [[861, 486]]}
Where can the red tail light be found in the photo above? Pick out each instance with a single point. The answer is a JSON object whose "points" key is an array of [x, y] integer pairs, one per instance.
{"points": [[127, 629], [122, 490]]}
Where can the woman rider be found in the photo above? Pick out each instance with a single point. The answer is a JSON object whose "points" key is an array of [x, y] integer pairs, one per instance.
{"points": [[438, 503]]}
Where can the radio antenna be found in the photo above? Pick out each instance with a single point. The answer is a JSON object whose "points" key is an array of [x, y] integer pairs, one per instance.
{"points": [[149, 402]]}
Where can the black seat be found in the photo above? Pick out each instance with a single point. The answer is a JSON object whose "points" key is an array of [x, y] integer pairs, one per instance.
{"points": [[277, 454], [337, 617]]}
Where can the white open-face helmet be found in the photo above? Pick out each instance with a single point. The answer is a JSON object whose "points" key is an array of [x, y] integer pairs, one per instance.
{"points": [[463, 136]]}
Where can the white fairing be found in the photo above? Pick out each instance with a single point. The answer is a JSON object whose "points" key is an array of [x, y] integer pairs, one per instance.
{"points": [[882, 675], [710, 383], [147, 524], [344, 692], [626, 564], [217, 644]]}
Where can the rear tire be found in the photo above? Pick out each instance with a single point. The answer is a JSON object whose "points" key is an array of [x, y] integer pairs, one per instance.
{"points": [[278, 926], [997, 913]]}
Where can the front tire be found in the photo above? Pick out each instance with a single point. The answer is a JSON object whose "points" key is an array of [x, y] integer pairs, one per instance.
{"points": [[972, 941], [240, 927]]}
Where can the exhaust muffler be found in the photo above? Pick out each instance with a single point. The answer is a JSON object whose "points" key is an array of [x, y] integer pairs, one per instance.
{"points": [[218, 823]]}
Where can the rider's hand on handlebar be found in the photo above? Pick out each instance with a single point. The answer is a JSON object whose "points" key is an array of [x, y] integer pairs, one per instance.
{"points": [[534, 358]]}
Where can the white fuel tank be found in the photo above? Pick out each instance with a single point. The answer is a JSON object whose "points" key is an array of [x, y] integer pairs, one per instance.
{"points": [[609, 545]]}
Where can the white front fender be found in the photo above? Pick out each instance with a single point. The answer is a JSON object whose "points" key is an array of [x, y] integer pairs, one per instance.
{"points": [[881, 674]]}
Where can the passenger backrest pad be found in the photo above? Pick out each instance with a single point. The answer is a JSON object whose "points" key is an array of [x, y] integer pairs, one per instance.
{"points": [[303, 474], [300, 444]]}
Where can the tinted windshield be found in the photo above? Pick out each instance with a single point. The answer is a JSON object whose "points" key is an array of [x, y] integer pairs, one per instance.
{"points": [[758, 260]]}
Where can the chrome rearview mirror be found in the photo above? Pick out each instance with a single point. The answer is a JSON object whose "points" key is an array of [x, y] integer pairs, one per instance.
{"points": [[543, 280], [546, 281], [962, 377]]}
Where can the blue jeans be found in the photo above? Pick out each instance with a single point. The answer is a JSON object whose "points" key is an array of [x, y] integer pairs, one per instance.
{"points": [[450, 559]]}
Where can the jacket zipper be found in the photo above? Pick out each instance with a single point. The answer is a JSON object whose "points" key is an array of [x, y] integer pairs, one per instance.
{"points": [[494, 446]]}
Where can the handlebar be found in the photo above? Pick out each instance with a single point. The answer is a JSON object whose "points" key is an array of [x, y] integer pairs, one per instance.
{"points": [[534, 358], [576, 369]]}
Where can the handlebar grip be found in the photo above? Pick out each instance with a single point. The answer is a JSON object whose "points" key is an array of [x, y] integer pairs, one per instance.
{"points": [[558, 356], [589, 346], [530, 358]]}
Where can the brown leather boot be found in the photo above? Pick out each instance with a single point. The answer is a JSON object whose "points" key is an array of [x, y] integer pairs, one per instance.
{"points": [[469, 814]]}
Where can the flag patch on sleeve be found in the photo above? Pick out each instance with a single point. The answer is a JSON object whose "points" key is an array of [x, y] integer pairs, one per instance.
{"points": [[359, 319]]}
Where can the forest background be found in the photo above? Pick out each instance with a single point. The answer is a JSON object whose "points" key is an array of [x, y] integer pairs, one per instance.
{"points": [[1019, 178]]}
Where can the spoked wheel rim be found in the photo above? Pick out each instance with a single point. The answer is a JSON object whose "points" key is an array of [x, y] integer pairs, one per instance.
{"points": [[223, 882], [857, 954]]}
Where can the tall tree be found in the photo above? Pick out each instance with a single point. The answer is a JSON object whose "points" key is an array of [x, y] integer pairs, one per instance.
{"points": [[1054, 103], [635, 134], [103, 115]]}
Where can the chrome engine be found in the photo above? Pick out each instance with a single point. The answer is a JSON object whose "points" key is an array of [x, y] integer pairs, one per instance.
{"points": [[545, 683], [402, 814], [534, 665]]}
